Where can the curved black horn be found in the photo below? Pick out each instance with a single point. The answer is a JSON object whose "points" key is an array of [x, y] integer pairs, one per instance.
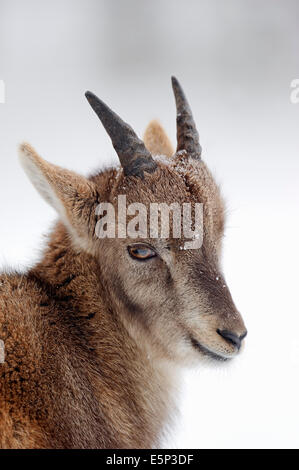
{"points": [[187, 135], [132, 153]]}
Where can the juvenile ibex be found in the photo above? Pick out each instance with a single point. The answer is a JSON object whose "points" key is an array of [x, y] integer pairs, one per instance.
{"points": [[96, 332]]}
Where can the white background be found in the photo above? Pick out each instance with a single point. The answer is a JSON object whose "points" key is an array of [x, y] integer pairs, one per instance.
{"points": [[236, 60]]}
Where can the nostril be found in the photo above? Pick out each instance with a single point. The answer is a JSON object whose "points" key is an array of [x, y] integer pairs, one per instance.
{"points": [[231, 337]]}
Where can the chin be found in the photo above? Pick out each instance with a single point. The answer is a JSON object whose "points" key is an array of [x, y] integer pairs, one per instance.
{"points": [[211, 358]]}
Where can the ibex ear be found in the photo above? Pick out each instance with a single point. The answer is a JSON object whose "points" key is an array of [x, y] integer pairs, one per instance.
{"points": [[156, 140], [70, 194]]}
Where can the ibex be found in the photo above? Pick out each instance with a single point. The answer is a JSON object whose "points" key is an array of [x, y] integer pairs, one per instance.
{"points": [[97, 332]]}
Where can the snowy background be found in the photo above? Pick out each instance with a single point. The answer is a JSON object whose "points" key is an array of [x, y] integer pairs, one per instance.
{"points": [[236, 60]]}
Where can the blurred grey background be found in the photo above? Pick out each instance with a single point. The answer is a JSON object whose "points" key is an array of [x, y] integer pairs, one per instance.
{"points": [[236, 60]]}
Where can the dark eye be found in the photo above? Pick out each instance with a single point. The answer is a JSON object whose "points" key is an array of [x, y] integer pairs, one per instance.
{"points": [[141, 252]]}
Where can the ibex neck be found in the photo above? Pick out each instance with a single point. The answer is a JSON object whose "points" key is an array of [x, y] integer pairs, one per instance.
{"points": [[134, 390], [69, 273]]}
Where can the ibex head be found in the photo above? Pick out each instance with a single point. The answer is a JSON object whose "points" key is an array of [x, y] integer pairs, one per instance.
{"points": [[174, 299]]}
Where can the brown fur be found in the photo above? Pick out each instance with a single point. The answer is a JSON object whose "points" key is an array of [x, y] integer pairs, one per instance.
{"points": [[94, 339]]}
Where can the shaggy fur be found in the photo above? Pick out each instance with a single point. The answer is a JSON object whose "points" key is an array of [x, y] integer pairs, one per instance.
{"points": [[94, 339]]}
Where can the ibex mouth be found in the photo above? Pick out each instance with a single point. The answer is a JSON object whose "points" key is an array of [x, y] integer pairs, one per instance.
{"points": [[207, 352]]}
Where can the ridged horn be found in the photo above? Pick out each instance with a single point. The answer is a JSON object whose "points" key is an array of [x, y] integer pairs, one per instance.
{"points": [[187, 135], [133, 155]]}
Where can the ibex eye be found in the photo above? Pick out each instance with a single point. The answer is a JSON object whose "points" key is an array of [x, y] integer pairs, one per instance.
{"points": [[141, 252]]}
